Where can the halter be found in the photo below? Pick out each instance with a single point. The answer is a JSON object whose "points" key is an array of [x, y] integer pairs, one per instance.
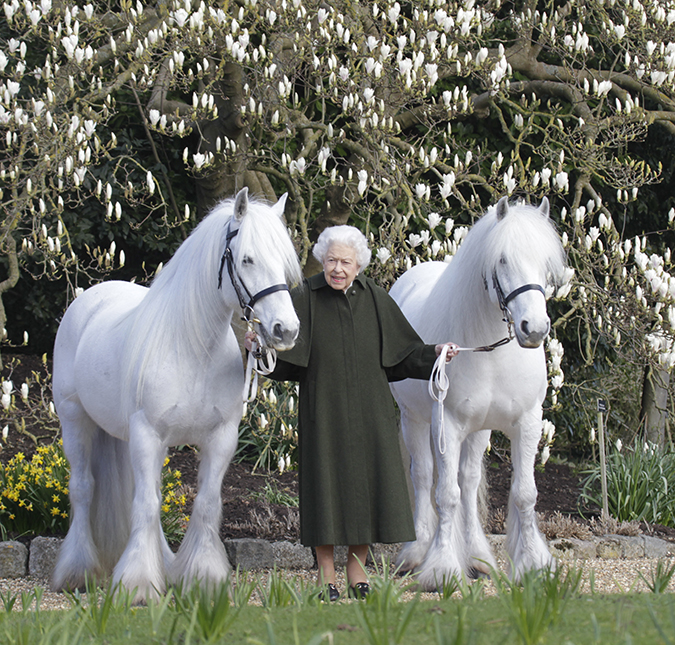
{"points": [[238, 284], [504, 301], [261, 359], [503, 305]]}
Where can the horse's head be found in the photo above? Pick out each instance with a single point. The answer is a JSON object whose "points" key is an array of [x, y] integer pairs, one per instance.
{"points": [[258, 264], [528, 257]]}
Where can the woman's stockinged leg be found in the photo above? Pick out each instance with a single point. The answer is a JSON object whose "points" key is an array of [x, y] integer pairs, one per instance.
{"points": [[356, 564], [325, 564]]}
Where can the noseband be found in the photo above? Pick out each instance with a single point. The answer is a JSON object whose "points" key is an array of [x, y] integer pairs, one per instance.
{"points": [[239, 287]]}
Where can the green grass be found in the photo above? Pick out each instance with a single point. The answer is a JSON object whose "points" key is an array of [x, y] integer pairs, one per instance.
{"points": [[193, 618]]}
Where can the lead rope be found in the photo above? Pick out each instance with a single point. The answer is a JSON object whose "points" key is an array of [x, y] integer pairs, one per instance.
{"points": [[439, 382], [261, 360]]}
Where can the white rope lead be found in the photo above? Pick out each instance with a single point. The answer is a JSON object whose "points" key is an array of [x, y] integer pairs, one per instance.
{"points": [[439, 382], [259, 362]]}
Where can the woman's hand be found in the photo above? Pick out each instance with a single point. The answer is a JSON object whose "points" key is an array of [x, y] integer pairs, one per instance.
{"points": [[249, 337], [452, 351]]}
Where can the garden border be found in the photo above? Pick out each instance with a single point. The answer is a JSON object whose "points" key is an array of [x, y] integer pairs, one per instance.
{"points": [[37, 559]]}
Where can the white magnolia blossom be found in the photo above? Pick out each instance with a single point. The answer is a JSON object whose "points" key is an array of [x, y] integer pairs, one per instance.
{"points": [[414, 240], [6, 401], [363, 181], [545, 454], [448, 183], [383, 255], [434, 220], [548, 431]]}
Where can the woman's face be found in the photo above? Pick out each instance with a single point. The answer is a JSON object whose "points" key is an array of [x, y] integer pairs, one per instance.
{"points": [[340, 266]]}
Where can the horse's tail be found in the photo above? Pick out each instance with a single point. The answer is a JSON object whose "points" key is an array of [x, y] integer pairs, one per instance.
{"points": [[113, 493]]}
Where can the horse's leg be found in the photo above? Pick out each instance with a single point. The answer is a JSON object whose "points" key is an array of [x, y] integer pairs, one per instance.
{"points": [[446, 556], [202, 556], [416, 439], [78, 555], [141, 567], [525, 545], [470, 479]]}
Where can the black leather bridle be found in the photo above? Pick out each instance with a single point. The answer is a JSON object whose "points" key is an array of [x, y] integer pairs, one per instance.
{"points": [[239, 287], [503, 305]]}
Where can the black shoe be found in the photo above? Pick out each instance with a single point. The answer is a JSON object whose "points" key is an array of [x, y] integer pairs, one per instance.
{"points": [[333, 593], [359, 591]]}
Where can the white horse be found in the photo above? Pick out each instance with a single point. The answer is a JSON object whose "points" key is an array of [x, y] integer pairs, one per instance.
{"points": [[512, 250], [137, 370]]}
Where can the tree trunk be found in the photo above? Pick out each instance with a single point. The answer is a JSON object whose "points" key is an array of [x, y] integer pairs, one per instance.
{"points": [[654, 412]]}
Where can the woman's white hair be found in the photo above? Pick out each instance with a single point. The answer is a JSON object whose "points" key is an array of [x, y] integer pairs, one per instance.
{"points": [[348, 236]]}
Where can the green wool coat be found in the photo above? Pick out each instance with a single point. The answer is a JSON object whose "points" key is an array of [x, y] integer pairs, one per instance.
{"points": [[353, 488]]}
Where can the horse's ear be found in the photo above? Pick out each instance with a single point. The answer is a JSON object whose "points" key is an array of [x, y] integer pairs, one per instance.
{"points": [[502, 207], [544, 207], [241, 204], [281, 205]]}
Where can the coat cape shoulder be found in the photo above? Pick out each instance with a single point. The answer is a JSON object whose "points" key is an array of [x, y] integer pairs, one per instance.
{"points": [[398, 338]]}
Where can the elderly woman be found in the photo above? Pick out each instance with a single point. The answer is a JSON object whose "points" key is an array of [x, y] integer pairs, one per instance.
{"points": [[353, 341]]}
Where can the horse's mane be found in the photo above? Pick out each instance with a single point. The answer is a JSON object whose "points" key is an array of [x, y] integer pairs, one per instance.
{"points": [[460, 291], [183, 308]]}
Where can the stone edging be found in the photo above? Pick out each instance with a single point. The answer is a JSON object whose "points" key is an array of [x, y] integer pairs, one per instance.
{"points": [[37, 560]]}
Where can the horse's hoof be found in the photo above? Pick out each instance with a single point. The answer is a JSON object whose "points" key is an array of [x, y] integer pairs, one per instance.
{"points": [[475, 574]]}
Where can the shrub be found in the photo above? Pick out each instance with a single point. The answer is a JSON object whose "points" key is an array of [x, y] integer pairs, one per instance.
{"points": [[268, 435], [640, 484], [26, 405]]}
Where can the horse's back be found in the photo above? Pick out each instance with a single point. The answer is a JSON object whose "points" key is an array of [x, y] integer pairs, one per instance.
{"points": [[413, 289], [107, 302], [99, 299]]}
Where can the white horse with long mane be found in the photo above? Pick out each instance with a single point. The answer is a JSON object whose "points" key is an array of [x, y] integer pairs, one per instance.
{"points": [[137, 370], [500, 272]]}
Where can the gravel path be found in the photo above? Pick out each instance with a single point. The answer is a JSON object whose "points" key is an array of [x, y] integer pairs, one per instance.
{"points": [[600, 575]]}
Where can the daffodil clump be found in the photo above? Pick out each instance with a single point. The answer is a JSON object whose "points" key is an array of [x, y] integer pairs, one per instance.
{"points": [[174, 499], [34, 494]]}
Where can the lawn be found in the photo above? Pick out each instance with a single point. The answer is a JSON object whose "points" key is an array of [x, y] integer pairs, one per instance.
{"points": [[543, 609]]}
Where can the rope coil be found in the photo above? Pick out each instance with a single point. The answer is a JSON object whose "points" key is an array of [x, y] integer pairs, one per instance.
{"points": [[439, 384]]}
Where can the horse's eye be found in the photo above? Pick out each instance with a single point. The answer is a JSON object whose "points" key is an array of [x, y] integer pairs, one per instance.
{"points": [[502, 260], [247, 260]]}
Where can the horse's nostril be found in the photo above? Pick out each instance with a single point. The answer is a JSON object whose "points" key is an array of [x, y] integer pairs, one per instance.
{"points": [[278, 331], [524, 327]]}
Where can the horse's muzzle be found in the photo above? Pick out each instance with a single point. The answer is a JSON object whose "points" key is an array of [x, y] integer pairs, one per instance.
{"points": [[531, 338], [281, 337]]}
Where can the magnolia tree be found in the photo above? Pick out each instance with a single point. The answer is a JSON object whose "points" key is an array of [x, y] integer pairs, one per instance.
{"points": [[406, 119]]}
